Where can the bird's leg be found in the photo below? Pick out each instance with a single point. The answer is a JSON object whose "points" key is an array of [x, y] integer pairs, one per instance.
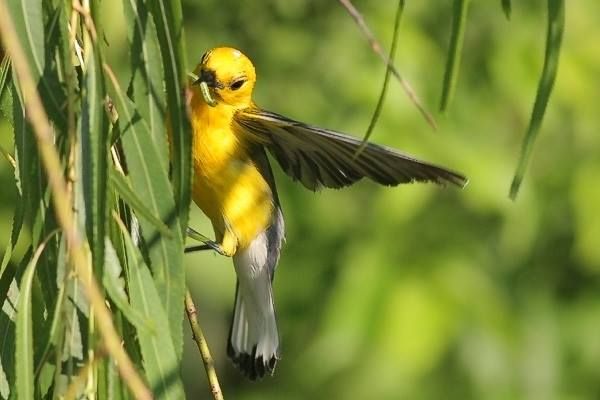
{"points": [[207, 243], [200, 247], [227, 247]]}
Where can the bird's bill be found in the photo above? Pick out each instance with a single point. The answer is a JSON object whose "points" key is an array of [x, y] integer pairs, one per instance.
{"points": [[204, 89]]}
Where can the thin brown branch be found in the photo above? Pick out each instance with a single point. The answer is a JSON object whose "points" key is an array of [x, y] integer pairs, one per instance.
{"points": [[84, 10], [378, 49], [209, 364], [64, 214]]}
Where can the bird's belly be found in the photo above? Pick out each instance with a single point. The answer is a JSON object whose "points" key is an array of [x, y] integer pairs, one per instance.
{"points": [[235, 197]]}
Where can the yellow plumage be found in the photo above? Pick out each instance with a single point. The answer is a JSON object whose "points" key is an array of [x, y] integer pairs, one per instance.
{"points": [[234, 186], [227, 186]]}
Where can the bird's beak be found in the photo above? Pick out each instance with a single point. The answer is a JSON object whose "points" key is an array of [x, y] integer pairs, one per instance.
{"points": [[207, 80]]}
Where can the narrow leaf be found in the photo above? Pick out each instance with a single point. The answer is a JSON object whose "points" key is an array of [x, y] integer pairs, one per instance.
{"points": [[147, 88], [150, 181], [160, 361], [27, 16], [4, 76], [115, 287], [386, 79], [122, 187], [11, 276], [459, 22], [6, 103], [94, 150], [17, 224], [24, 332], [29, 24], [169, 25], [7, 355], [28, 175], [55, 327], [556, 27]]}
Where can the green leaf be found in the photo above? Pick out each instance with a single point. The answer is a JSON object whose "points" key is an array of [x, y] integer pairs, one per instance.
{"points": [[147, 82], [5, 267], [115, 287], [94, 151], [24, 332], [28, 18], [6, 103], [386, 79], [459, 22], [28, 176], [5, 76], [555, 29], [113, 385], [160, 361], [7, 355], [122, 187], [507, 8], [46, 380], [29, 23], [169, 26], [7, 324], [52, 337], [150, 181]]}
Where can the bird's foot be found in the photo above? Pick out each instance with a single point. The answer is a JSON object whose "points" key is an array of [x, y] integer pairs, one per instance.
{"points": [[227, 248]]}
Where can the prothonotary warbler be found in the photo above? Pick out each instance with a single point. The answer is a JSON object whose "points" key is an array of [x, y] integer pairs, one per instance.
{"points": [[234, 186]]}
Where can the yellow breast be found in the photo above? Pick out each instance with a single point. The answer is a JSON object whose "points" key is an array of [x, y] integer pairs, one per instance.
{"points": [[227, 186]]}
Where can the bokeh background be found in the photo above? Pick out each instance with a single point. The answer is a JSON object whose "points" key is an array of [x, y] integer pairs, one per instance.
{"points": [[417, 292]]}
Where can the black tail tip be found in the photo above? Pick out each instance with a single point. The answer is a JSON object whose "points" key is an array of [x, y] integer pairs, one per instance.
{"points": [[251, 366]]}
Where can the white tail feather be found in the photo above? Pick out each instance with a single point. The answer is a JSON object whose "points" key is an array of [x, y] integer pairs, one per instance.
{"points": [[254, 340]]}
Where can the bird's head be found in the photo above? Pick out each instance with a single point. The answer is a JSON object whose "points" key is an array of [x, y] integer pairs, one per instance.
{"points": [[225, 75]]}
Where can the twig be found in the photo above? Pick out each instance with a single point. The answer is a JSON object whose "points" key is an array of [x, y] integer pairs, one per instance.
{"points": [[209, 364], [376, 46], [64, 214]]}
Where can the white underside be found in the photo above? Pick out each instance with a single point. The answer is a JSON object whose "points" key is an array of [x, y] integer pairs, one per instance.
{"points": [[254, 322]]}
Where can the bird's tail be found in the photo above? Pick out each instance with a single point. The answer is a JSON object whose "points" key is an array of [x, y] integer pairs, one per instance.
{"points": [[253, 339]]}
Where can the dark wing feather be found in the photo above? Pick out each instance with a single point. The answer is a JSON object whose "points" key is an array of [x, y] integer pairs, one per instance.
{"points": [[321, 157]]}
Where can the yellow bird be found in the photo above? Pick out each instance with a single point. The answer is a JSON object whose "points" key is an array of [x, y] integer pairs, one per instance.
{"points": [[234, 186]]}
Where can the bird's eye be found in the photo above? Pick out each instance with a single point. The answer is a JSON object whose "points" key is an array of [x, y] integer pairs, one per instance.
{"points": [[237, 84]]}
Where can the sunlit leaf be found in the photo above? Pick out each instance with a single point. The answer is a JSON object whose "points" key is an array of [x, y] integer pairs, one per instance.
{"points": [[94, 150], [6, 103], [4, 76], [9, 300], [115, 287], [29, 24], [160, 361], [150, 181], [27, 16], [24, 332], [121, 185], [147, 88], [169, 26]]}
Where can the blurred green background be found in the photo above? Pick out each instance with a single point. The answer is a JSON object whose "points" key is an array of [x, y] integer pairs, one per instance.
{"points": [[417, 292]]}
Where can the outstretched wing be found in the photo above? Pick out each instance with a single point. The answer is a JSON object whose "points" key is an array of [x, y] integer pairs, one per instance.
{"points": [[321, 157]]}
